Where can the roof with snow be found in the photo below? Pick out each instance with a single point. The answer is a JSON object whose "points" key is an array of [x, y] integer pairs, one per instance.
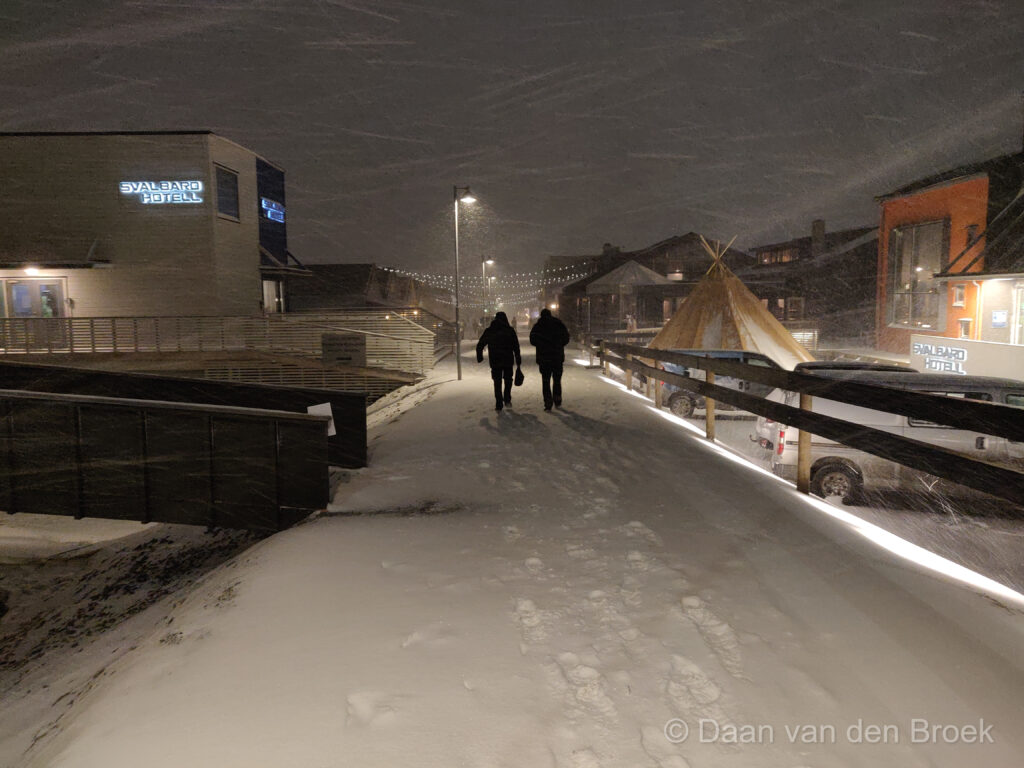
{"points": [[628, 274], [722, 313]]}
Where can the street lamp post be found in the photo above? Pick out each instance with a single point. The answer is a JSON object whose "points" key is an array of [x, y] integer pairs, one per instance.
{"points": [[467, 198], [484, 263]]}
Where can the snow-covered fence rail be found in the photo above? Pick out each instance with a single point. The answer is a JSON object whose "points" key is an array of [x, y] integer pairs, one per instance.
{"points": [[987, 418], [141, 460]]}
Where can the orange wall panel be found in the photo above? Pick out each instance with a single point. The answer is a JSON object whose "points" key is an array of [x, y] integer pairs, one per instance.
{"points": [[965, 204]]}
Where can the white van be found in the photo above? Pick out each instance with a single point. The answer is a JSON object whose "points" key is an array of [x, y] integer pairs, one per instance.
{"points": [[837, 470]]}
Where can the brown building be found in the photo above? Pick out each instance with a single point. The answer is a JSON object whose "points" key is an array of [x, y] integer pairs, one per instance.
{"points": [[825, 277]]}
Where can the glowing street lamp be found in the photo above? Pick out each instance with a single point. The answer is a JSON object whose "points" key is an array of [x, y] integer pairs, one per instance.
{"points": [[465, 197], [484, 263]]}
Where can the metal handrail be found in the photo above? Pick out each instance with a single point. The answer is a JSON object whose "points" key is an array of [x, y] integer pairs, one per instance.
{"points": [[298, 335]]}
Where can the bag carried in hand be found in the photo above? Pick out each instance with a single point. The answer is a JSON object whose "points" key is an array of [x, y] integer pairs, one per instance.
{"points": [[519, 377]]}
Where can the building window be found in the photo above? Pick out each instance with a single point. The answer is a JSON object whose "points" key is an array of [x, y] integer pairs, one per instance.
{"points": [[916, 253], [959, 295], [795, 308], [781, 256], [965, 327], [227, 192], [33, 297]]}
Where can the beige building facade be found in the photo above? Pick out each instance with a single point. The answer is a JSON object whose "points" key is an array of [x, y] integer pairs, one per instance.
{"points": [[138, 224]]}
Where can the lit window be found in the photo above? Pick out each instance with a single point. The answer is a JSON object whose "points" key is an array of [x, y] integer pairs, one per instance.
{"points": [[916, 253]]}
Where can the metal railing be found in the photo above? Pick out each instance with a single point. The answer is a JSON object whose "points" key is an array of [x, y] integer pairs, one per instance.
{"points": [[85, 456], [393, 342], [988, 418]]}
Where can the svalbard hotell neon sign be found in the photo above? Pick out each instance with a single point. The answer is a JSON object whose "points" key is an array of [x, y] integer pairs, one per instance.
{"points": [[164, 192]]}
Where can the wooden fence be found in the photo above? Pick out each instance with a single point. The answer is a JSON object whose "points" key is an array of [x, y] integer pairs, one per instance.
{"points": [[988, 418]]}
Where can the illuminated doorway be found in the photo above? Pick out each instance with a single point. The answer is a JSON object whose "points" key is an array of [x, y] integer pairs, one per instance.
{"points": [[41, 297]]}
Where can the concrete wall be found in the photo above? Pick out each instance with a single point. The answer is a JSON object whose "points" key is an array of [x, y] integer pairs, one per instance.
{"points": [[60, 202], [236, 264]]}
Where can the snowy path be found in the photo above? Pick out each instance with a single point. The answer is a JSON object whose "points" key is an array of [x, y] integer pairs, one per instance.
{"points": [[551, 589]]}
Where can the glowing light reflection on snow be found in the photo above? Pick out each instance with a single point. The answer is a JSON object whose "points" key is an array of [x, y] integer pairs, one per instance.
{"points": [[879, 536]]}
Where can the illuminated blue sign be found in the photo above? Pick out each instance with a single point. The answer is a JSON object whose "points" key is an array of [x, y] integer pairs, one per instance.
{"points": [[274, 211], [164, 192]]}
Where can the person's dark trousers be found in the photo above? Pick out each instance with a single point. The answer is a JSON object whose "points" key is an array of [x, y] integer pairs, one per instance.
{"points": [[497, 375], [551, 384]]}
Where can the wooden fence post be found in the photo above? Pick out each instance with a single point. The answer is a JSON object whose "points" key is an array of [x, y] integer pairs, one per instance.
{"points": [[629, 373], [604, 358], [709, 406], [803, 455], [657, 393]]}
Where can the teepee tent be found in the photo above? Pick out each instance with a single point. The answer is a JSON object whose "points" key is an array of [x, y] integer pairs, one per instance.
{"points": [[722, 313]]}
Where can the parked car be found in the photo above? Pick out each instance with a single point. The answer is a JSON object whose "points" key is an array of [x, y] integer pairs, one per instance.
{"points": [[766, 430], [837, 470], [683, 402]]}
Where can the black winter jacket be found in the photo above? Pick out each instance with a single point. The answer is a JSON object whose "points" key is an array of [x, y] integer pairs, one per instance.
{"points": [[549, 336], [502, 345]]}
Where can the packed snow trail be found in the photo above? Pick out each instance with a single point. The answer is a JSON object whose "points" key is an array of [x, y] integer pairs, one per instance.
{"points": [[559, 589]]}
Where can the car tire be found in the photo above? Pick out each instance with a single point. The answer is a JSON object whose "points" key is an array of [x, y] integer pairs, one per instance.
{"points": [[837, 480], [681, 405]]}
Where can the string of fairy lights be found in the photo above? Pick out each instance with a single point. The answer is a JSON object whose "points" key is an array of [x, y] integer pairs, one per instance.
{"points": [[503, 283]]}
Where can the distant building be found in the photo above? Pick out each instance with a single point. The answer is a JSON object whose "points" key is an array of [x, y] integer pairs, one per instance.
{"points": [[827, 277], [951, 256], [348, 286], [681, 260], [139, 224]]}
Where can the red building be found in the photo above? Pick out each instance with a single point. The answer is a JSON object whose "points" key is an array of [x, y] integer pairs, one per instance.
{"points": [[932, 250]]}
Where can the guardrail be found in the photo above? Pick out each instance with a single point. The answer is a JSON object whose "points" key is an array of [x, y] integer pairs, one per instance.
{"points": [[160, 462], [393, 342], [345, 448], [988, 418]]}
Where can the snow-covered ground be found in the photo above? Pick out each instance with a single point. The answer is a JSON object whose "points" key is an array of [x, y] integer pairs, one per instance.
{"points": [[554, 589]]}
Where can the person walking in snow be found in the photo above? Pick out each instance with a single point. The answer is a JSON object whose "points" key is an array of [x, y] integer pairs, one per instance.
{"points": [[502, 351], [550, 336]]}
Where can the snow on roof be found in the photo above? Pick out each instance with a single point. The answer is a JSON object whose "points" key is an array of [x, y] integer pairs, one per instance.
{"points": [[629, 273]]}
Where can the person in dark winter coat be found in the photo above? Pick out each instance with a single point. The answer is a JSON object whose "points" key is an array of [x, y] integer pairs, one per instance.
{"points": [[502, 352], [550, 336]]}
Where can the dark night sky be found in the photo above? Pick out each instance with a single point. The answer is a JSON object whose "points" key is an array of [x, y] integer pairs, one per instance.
{"points": [[576, 123]]}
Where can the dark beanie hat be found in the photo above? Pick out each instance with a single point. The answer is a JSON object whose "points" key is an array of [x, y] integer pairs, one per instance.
{"points": [[545, 312]]}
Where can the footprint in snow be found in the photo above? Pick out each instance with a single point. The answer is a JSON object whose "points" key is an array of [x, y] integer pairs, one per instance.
{"points": [[587, 686], [636, 529], [692, 692], [531, 620], [433, 636], [370, 708], [584, 758], [660, 749], [717, 635]]}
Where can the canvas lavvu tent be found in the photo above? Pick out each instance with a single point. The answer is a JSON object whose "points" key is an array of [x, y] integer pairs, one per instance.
{"points": [[722, 313]]}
